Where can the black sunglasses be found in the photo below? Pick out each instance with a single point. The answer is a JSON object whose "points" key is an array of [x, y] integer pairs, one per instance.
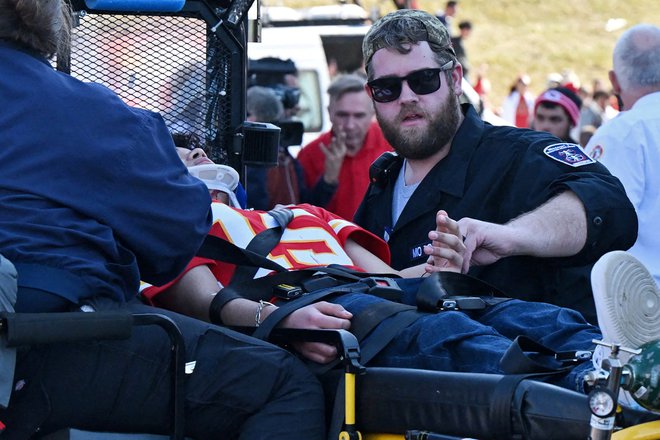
{"points": [[422, 82]]}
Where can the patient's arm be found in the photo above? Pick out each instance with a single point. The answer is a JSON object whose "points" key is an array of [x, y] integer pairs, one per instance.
{"points": [[445, 253], [192, 296]]}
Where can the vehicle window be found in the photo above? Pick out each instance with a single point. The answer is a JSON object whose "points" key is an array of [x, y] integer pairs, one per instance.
{"points": [[310, 101]]}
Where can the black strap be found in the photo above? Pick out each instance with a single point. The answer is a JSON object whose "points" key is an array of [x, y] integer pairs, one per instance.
{"points": [[525, 356], [282, 216], [441, 284], [500, 406], [247, 261], [363, 323], [218, 302], [263, 331], [254, 255], [262, 244], [525, 359], [456, 291], [384, 334], [262, 288], [218, 249]]}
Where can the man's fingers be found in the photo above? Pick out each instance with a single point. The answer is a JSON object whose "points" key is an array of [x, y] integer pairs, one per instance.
{"points": [[470, 245], [316, 351], [333, 310], [444, 239], [443, 258], [325, 149], [447, 224], [443, 252], [330, 322]]}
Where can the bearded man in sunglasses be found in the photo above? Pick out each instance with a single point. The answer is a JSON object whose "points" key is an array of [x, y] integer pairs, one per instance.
{"points": [[535, 212]]}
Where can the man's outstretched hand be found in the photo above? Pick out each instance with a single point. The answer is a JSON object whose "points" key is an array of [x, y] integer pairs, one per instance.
{"points": [[447, 250]]}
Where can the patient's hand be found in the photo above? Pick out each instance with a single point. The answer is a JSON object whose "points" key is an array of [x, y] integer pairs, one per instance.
{"points": [[321, 315], [447, 249]]}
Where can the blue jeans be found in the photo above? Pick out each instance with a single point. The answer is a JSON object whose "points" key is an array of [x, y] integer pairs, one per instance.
{"points": [[241, 388], [475, 342]]}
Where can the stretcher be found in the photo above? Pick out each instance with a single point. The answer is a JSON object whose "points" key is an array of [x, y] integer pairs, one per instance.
{"points": [[374, 403], [367, 403]]}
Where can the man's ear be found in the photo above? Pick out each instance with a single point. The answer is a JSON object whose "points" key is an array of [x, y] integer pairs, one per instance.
{"points": [[368, 90], [457, 77], [616, 87]]}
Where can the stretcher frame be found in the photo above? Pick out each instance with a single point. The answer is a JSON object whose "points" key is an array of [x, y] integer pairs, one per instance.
{"points": [[22, 329]]}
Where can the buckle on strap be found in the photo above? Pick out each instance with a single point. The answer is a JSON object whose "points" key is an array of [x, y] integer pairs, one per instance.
{"points": [[461, 303], [573, 356], [287, 292], [383, 287]]}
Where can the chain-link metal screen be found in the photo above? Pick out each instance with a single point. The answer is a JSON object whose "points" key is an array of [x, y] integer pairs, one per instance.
{"points": [[169, 64]]}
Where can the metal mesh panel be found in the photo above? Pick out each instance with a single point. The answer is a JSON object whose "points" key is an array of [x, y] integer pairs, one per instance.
{"points": [[160, 63]]}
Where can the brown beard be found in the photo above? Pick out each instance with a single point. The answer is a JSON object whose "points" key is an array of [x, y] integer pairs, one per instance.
{"points": [[419, 144]]}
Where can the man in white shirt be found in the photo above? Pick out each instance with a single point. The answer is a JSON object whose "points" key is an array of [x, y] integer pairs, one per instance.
{"points": [[629, 145]]}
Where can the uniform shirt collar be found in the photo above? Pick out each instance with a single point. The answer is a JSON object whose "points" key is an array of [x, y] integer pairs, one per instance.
{"points": [[17, 47], [648, 102]]}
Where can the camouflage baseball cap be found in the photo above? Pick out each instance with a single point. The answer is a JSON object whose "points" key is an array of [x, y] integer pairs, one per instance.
{"points": [[436, 32]]}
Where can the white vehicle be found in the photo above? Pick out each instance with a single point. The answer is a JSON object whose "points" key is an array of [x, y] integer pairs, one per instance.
{"points": [[306, 51], [312, 46]]}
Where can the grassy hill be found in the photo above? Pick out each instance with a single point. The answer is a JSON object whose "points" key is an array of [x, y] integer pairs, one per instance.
{"points": [[534, 36]]}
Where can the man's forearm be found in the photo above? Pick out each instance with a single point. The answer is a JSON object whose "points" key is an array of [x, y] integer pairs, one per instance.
{"points": [[558, 228]]}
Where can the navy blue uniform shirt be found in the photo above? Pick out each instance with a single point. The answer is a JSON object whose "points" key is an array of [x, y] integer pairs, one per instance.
{"points": [[495, 174], [93, 196]]}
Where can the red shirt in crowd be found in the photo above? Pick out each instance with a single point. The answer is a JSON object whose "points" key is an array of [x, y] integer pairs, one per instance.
{"points": [[354, 174]]}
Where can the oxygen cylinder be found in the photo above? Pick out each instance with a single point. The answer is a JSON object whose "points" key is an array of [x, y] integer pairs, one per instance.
{"points": [[644, 381]]}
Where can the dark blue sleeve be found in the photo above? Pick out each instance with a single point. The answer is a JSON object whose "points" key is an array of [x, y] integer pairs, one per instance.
{"points": [[156, 208], [611, 218], [175, 215], [257, 193], [142, 190]]}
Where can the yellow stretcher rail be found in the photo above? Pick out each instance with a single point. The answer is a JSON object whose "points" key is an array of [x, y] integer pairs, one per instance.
{"points": [[645, 431]]}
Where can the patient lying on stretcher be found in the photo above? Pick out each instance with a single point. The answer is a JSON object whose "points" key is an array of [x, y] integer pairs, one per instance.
{"points": [[460, 341]]}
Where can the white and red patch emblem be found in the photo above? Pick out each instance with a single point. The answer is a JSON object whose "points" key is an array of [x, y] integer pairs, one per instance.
{"points": [[569, 154], [597, 152]]}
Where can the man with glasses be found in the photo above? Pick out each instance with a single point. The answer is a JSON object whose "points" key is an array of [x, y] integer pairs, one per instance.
{"points": [[536, 212]]}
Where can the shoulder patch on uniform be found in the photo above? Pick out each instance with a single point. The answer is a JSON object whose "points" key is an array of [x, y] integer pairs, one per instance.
{"points": [[569, 154], [597, 152]]}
